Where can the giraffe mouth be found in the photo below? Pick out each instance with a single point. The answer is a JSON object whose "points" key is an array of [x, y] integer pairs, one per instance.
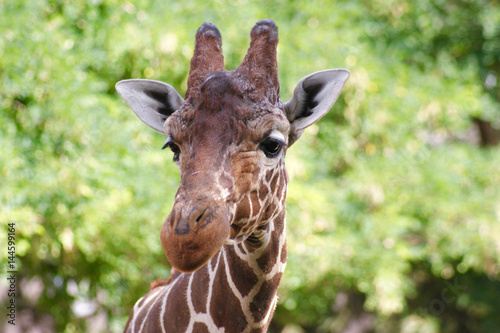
{"points": [[237, 240], [236, 236]]}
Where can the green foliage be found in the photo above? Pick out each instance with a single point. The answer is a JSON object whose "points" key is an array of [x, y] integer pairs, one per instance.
{"points": [[390, 201]]}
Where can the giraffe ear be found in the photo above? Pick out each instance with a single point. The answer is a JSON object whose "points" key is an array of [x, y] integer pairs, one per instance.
{"points": [[152, 101], [312, 98]]}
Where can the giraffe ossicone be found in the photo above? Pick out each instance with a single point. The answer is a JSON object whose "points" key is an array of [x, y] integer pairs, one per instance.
{"points": [[225, 236]]}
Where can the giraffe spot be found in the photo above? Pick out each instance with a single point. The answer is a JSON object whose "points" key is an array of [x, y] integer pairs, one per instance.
{"points": [[263, 192], [177, 299], [147, 309], [243, 209], [283, 253], [225, 307], [241, 273], [199, 327], [268, 258], [270, 211], [199, 286], [264, 298]]}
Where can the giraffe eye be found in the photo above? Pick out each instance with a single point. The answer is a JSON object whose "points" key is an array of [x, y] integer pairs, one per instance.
{"points": [[271, 147], [173, 147]]}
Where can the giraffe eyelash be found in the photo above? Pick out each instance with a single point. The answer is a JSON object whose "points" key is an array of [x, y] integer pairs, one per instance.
{"points": [[173, 147]]}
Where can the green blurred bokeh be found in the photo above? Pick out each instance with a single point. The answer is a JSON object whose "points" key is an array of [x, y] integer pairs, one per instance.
{"points": [[393, 204]]}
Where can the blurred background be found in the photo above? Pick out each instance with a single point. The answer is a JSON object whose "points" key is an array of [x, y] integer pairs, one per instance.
{"points": [[394, 197]]}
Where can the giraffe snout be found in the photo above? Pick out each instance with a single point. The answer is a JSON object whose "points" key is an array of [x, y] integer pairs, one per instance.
{"points": [[193, 233], [181, 223]]}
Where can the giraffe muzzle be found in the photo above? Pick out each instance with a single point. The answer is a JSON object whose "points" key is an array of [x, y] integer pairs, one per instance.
{"points": [[197, 218], [192, 234]]}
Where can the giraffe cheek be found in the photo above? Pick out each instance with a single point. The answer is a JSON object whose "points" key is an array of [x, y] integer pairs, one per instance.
{"points": [[188, 249]]}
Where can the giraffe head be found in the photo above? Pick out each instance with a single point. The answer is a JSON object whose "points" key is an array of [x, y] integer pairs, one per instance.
{"points": [[229, 137]]}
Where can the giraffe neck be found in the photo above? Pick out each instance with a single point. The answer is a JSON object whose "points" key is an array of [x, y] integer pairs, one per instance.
{"points": [[255, 268], [234, 292]]}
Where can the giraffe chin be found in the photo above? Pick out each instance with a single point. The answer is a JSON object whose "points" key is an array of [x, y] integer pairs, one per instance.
{"points": [[190, 251]]}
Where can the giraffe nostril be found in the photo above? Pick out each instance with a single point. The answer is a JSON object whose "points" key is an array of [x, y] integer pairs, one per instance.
{"points": [[181, 223], [198, 219], [172, 220], [199, 216]]}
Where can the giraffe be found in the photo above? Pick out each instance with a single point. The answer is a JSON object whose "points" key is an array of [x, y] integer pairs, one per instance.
{"points": [[225, 236]]}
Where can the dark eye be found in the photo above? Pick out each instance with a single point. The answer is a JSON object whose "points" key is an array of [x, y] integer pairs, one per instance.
{"points": [[173, 147], [271, 147]]}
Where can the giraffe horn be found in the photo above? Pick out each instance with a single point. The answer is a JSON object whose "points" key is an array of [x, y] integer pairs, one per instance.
{"points": [[260, 65], [207, 58]]}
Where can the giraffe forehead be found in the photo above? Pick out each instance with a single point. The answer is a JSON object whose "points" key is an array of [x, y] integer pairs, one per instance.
{"points": [[229, 118], [230, 93]]}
